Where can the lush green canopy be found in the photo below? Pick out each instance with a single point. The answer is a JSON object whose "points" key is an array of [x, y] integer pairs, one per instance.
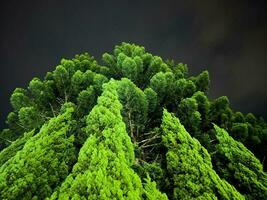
{"points": [[131, 126]]}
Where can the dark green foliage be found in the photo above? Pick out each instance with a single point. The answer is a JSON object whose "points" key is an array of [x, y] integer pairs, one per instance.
{"points": [[77, 81], [152, 99], [184, 88], [202, 82], [220, 111], [109, 115], [19, 99], [135, 107], [41, 92], [189, 115], [62, 80], [98, 81], [189, 165], [203, 108], [14, 147], [238, 165], [86, 100], [154, 170], [162, 84], [129, 68], [13, 123], [240, 131], [29, 118], [7, 136]]}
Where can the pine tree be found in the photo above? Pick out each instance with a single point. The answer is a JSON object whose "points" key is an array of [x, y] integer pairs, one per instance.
{"points": [[30, 118], [239, 166], [19, 99], [189, 166], [41, 92], [202, 82], [135, 107], [152, 99], [35, 170], [14, 147], [145, 85], [163, 85], [86, 101], [151, 191], [110, 177], [189, 115]]}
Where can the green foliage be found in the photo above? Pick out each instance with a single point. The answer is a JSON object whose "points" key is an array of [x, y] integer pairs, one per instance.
{"points": [[43, 162], [240, 131], [184, 88], [110, 177], [189, 115], [19, 99], [98, 81], [29, 118], [151, 191], [14, 147], [41, 92], [129, 68], [135, 107], [202, 82], [152, 99], [86, 100], [162, 84], [189, 165], [6, 137], [238, 165], [109, 116], [77, 82], [13, 122], [62, 78]]}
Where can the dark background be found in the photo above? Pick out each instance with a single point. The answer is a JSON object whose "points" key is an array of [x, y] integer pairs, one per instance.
{"points": [[226, 37]]}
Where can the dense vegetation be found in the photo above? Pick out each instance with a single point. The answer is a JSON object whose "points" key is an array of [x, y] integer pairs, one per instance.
{"points": [[133, 126]]}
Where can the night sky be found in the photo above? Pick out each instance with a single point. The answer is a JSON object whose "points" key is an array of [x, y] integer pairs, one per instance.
{"points": [[228, 38]]}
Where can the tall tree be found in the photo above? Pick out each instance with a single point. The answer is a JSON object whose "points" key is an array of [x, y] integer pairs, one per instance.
{"points": [[110, 177], [239, 166], [189, 168], [35, 170], [14, 147], [135, 107]]}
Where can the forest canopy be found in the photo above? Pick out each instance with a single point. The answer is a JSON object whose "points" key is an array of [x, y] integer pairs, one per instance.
{"points": [[130, 126]]}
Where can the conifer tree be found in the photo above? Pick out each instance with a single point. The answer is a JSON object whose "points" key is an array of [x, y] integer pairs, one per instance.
{"points": [[135, 107], [41, 165], [183, 88], [189, 166], [77, 81], [41, 92], [111, 176], [202, 82], [14, 147], [7, 136], [189, 115], [152, 99], [19, 99], [86, 101], [239, 166], [30, 118], [145, 85], [163, 85]]}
